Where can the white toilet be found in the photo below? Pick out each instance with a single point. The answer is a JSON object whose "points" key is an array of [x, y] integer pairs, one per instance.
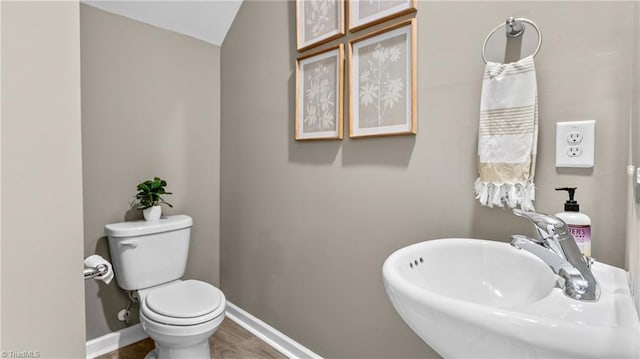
{"points": [[179, 315]]}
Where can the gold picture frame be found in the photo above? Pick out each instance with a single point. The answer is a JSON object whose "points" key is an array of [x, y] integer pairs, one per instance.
{"points": [[320, 95], [383, 82], [318, 22]]}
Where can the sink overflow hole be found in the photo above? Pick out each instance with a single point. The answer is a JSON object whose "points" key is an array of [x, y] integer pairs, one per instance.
{"points": [[415, 262]]}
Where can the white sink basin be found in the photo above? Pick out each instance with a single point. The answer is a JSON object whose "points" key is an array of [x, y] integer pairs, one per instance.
{"points": [[471, 298]]}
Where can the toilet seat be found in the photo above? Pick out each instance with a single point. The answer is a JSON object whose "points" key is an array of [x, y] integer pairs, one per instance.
{"points": [[184, 303]]}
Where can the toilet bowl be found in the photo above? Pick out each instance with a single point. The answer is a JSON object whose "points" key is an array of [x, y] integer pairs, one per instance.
{"points": [[179, 315]]}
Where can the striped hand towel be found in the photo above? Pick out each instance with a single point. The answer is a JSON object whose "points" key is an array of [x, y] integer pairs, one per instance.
{"points": [[508, 135]]}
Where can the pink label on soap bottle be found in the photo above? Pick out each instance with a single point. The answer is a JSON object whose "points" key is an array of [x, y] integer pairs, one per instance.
{"points": [[582, 235]]}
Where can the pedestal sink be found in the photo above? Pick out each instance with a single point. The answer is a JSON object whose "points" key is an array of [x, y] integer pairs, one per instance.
{"points": [[472, 298]]}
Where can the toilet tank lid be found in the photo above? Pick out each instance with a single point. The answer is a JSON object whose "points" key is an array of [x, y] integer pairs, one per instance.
{"points": [[140, 228]]}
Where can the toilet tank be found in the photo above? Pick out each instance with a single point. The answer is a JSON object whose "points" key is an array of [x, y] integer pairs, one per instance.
{"points": [[147, 253]]}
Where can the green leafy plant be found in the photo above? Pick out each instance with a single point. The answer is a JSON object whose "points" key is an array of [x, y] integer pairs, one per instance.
{"points": [[149, 193]]}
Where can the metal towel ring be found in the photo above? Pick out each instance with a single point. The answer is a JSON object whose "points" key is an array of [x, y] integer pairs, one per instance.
{"points": [[513, 28]]}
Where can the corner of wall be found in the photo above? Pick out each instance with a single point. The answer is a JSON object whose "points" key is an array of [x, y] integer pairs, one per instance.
{"points": [[1, 173], [41, 148]]}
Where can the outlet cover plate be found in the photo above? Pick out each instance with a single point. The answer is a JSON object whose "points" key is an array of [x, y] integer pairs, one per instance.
{"points": [[566, 144]]}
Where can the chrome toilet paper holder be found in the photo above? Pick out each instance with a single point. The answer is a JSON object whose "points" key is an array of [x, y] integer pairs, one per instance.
{"points": [[92, 272]]}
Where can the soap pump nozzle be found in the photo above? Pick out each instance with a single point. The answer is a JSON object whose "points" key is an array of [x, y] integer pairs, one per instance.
{"points": [[571, 205]]}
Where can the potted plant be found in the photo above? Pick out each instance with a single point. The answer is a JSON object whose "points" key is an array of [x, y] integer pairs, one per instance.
{"points": [[148, 198]]}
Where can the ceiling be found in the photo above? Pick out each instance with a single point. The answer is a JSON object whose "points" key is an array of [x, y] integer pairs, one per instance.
{"points": [[208, 20]]}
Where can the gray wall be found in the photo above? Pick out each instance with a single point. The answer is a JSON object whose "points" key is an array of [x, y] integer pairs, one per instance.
{"points": [[42, 285], [632, 257], [305, 227], [1, 180], [633, 236], [150, 107]]}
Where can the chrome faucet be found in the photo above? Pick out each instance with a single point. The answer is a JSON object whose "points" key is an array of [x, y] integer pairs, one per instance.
{"points": [[557, 248]]}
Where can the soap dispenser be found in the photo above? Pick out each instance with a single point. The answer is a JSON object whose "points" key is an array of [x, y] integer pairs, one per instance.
{"points": [[579, 223]]}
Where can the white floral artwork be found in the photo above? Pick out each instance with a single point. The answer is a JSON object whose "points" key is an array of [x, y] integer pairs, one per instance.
{"points": [[383, 83], [319, 82], [319, 98], [319, 21], [380, 87], [317, 17], [364, 13]]}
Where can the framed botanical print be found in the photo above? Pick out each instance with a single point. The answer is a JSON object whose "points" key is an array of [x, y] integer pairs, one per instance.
{"points": [[382, 96], [319, 95], [365, 13], [318, 21]]}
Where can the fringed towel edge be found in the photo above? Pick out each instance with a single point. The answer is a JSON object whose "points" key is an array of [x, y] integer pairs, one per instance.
{"points": [[510, 194]]}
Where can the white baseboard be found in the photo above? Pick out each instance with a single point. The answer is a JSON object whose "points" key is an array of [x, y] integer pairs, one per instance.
{"points": [[114, 341], [282, 343], [279, 341]]}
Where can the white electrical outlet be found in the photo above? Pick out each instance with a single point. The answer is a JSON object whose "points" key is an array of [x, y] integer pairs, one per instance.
{"points": [[574, 151], [574, 137], [575, 144]]}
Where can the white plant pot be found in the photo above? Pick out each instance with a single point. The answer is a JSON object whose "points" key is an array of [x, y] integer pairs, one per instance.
{"points": [[152, 213]]}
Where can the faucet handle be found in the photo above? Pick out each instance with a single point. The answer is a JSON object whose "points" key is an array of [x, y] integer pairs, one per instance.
{"points": [[545, 224]]}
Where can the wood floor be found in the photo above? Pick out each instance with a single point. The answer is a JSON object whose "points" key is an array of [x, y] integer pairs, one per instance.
{"points": [[230, 341]]}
